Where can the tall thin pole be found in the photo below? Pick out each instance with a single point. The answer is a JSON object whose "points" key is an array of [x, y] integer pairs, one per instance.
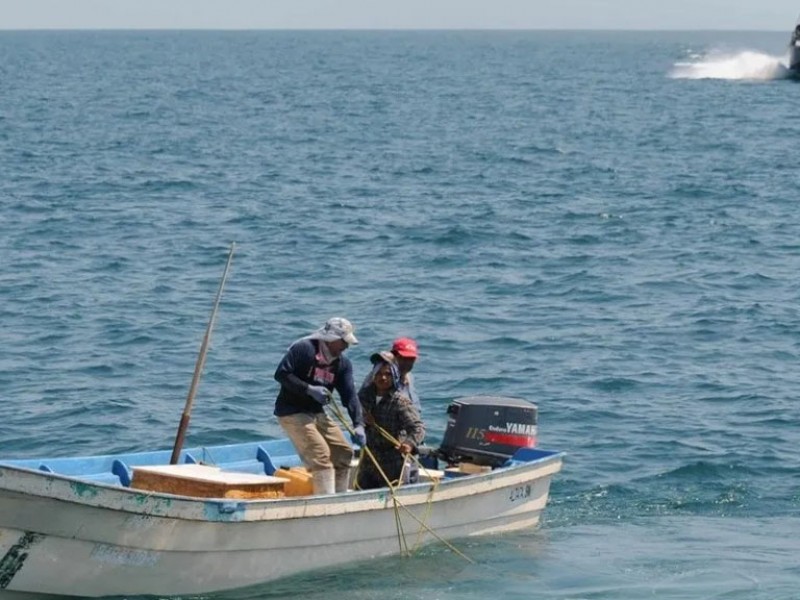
{"points": [[198, 368]]}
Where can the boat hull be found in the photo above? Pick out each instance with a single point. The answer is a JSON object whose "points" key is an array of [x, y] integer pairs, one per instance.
{"points": [[794, 50], [794, 58], [60, 536]]}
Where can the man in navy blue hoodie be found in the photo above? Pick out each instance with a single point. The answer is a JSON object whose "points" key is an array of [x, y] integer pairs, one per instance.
{"points": [[310, 370]]}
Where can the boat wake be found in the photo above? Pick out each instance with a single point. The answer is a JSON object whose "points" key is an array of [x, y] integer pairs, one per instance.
{"points": [[747, 64]]}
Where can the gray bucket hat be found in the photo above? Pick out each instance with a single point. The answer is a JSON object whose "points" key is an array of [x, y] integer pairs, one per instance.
{"points": [[336, 328]]}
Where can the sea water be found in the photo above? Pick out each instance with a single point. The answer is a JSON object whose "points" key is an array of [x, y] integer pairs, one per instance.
{"points": [[604, 223]]}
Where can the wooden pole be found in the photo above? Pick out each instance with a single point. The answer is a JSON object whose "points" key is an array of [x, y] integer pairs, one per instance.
{"points": [[198, 368]]}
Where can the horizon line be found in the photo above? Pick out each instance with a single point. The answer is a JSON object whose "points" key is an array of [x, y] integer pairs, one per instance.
{"points": [[391, 29]]}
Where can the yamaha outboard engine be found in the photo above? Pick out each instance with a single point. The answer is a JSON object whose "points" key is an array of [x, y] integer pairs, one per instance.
{"points": [[488, 430]]}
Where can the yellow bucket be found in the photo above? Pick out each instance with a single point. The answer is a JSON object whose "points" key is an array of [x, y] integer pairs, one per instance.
{"points": [[299, 483]]}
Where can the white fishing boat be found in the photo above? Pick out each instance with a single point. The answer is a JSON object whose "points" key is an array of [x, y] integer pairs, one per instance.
{"points": [[84, 527]]}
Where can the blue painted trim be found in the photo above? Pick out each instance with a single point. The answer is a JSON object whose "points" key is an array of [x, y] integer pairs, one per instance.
{"points": [[264, 456], [531, 454], [454, 474]]}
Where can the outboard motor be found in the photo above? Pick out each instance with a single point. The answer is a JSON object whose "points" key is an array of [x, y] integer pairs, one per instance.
{"points": [[488, 430]]}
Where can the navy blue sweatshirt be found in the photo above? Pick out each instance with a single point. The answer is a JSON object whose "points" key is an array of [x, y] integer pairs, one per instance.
{"points": [[300, 367]]}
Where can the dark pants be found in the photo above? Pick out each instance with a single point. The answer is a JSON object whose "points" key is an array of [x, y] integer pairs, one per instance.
{"points": [[392, 464]]}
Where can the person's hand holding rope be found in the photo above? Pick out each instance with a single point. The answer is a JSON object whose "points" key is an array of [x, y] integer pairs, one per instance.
{"points": [[405, 448]]}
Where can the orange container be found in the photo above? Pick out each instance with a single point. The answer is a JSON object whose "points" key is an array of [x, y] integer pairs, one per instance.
{"points": [[299, 483]]}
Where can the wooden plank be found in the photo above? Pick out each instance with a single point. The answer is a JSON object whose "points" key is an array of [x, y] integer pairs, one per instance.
{"points": [[205, 481], [426, 474]]}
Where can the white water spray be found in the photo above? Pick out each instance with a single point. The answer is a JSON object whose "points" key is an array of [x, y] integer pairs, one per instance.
{"points": [[747, 64]]}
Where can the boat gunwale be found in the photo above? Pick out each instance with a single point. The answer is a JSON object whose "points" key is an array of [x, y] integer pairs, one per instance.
{"points": [[118, 498]]}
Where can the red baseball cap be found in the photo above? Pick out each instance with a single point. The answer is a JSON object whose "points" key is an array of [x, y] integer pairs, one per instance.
{"points": [[405, 347]]}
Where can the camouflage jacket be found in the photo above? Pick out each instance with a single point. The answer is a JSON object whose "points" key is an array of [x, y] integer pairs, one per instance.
{"points": [[395, 413]]}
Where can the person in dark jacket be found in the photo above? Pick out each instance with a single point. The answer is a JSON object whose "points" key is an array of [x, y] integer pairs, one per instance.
{"points": [[387, 407], [311, 369]]}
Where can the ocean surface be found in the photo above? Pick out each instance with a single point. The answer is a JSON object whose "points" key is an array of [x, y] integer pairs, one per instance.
{"points": [[604, 223]]}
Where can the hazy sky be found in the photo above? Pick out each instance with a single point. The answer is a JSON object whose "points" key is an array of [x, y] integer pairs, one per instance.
{"points": [[399, 14]]}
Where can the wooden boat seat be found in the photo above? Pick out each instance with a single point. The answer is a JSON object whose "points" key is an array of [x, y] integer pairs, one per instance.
{"points": [[206, 481]]}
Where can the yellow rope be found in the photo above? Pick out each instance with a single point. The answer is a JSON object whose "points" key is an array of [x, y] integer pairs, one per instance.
{"points": [[426, 515], [392, 490], [401, 538], [428, 503]]}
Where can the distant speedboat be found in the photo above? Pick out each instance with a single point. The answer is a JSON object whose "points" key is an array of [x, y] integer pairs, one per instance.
{"points": [[794, 50]]}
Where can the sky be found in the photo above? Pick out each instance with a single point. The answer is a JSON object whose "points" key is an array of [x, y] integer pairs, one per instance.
{"points": [[764, 15]]}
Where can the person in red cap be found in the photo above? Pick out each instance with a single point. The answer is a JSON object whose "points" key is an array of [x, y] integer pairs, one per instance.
{"points": [[404, 354]]}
